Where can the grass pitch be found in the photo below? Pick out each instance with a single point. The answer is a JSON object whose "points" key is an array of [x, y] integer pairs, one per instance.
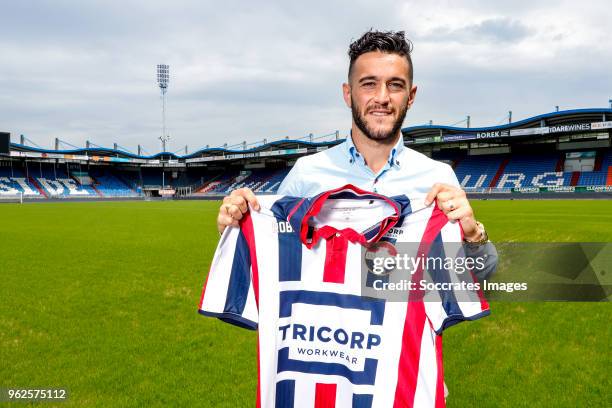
{"points": [[101, 298]]}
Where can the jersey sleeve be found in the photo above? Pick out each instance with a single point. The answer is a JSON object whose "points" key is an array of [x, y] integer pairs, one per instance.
{"points": [[459, 297], [229, 293]]}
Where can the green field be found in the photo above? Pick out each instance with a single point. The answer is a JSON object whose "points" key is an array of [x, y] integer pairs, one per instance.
{"points": [[102, 298]]}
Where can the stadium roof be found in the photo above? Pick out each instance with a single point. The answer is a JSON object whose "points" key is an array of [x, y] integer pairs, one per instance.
{"points": [[549, 119]]}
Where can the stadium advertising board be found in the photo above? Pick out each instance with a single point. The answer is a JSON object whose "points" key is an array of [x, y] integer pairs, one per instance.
{"points": [[578, 127], [526, 190], [599, 189], [572, 127], [426, 139], [552, 189], [249, 155], [25, 154], [202, 159], [530, 131], [559, 189], [601, 125], [580, 155], [419, 140], [72, 156], [492, 134], [38, 155], [5, 141], [459, 137]]}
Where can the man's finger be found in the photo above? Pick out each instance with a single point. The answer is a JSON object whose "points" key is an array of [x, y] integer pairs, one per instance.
{"points": [[457, 203], [223, 210], [433, 193], [235, 212], [448, 206], [446, 195], [240, 203], [225, 220], [246, 194], [459, 213], [250, 197]]}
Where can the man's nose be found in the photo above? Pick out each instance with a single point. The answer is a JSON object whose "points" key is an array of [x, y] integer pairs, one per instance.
{"points": [[382, 95]]}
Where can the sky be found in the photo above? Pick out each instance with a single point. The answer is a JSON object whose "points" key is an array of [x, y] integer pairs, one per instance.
{"points": [[249, 71]]}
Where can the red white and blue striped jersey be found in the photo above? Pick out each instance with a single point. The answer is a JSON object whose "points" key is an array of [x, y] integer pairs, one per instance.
{"points": [[293, 272]]}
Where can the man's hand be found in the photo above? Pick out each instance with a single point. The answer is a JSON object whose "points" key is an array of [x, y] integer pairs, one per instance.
{"points": [[234, 206], [454, 203]]}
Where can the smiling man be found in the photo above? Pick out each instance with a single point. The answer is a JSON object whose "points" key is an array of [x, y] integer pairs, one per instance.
{"points": [[379, 92]]}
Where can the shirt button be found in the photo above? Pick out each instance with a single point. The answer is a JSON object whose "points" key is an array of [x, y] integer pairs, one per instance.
{"points": [[337, 234]]}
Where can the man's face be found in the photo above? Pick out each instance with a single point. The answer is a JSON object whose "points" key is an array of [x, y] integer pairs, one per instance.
{"points": [[379, 93]]}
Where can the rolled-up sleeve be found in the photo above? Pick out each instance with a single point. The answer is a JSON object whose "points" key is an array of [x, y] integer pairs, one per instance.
{"points": [[488, 253]]}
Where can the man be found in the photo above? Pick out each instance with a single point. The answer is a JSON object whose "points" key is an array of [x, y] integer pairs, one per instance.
{"points": [[379, 92]]}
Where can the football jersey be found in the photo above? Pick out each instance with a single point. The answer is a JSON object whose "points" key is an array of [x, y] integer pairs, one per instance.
{"points": [[293, 271]]}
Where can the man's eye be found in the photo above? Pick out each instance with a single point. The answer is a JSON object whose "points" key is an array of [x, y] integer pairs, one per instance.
{"points": [[368, 84], [396, 85]]}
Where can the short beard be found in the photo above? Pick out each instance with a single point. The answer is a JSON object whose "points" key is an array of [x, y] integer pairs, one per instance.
{"points": [[380, 135]]}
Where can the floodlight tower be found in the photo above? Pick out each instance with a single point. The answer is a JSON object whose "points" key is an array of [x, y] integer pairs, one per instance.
{"points": [[163, 78]]}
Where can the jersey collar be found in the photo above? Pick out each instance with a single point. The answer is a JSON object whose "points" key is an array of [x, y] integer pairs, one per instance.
{"points": [[306, 208]]}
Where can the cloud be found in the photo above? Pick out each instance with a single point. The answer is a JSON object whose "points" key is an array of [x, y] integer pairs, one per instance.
{"points": [[497, 30], [248, 71]]}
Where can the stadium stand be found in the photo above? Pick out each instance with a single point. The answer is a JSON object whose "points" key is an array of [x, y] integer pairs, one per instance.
{"points": [[13, 182], [475, 172], [44, 180], [531, 171], [106, 184], [601, 177], [255, 180], [271, 184], [522, 170], [557, 152]]}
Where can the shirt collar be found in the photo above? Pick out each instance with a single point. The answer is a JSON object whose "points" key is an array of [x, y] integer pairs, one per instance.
{"points": [[394, 154], [304, 209]]}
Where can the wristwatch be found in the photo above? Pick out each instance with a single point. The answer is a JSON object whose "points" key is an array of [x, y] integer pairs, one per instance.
{"points": [[484, 237]]}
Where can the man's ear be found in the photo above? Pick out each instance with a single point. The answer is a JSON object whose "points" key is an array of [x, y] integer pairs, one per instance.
{"points": [[346, 93], [412, 95]]}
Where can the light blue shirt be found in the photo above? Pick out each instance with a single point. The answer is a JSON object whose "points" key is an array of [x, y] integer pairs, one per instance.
{"points": [[406, 172]]}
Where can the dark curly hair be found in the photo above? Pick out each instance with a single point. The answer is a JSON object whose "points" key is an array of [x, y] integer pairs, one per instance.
{"points": [[392, 42]]}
